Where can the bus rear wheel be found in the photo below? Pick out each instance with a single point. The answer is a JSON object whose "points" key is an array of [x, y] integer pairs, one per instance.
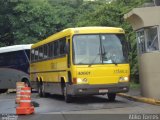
{"points": [[3, 90], [68, 98], [111, 96], [26, 81], [41, 90]]}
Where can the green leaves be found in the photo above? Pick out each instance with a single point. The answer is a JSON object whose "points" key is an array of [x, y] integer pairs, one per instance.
{"points": [[32, 20], [29, 21], [101, 14]]}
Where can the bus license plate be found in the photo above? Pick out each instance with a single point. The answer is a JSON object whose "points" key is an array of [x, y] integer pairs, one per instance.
{"points": [[103, 90]]}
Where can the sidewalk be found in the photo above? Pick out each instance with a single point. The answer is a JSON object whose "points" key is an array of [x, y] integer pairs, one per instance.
{"points": [[135, 95], [134, 92]]}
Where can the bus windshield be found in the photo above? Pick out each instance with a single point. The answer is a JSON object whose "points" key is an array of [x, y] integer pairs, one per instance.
{"points": [[99, 49]]}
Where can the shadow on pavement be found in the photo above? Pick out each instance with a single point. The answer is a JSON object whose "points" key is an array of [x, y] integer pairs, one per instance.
{"points": [[85, 99]]}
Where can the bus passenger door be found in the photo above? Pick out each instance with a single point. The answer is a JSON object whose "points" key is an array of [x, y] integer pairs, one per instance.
{"points": [[68, 52]]}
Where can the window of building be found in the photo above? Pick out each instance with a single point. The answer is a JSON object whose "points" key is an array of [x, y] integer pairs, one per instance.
{"points": [[141, 41], [152, 39], [148, 39]]}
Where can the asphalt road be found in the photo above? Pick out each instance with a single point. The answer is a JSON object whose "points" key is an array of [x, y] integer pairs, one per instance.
{"points": [[89, 108]]}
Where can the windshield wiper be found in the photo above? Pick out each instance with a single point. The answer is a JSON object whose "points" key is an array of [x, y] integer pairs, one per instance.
{"points": [[114, 63]]}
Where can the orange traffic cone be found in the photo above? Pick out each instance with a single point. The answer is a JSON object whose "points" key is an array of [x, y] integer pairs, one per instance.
{"points": [[25, 106], [19, 86]]}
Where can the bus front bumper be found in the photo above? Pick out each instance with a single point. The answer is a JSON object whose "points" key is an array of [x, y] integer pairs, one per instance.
{"points": [[85, 89]]}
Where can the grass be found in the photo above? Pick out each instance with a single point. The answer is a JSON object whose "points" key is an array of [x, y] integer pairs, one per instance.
{"points": [[134, 85]]}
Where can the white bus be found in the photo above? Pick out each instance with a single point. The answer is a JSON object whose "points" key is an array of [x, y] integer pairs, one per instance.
{"points": [[14, 66]]}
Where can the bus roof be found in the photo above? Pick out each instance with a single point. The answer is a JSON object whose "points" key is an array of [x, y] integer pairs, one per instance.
{"points": [[15, 48], [79, 30]]}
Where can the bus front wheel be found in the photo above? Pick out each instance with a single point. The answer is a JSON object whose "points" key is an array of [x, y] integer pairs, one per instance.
{"points": [[111, 96], [68, 98]]}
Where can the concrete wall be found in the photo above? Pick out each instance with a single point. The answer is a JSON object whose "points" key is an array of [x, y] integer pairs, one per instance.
{"points": [[149, 63], [149, 69], [143, 17]]}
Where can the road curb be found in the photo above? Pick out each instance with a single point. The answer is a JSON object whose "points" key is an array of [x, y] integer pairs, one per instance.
{"points": [[140, 99]]}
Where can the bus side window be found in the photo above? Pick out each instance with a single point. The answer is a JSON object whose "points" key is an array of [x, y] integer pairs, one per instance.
{"points": [[40, 53], [27, 54], [14, 58], [56, 48], [45, 51], [8, 58], [32, 55], [19, 58], [36, 54], [62, 46], [50, 51], [2, 60]]}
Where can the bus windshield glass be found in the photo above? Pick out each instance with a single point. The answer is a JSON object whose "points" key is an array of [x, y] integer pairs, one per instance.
{"points": [[99, 49]]}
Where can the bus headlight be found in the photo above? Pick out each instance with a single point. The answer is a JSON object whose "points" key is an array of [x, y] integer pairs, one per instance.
{"points": [[82, 81], [123, 79], [79, 80]]}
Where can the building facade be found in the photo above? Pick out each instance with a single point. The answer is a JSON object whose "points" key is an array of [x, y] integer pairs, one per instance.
{"points": [[146, 22]]}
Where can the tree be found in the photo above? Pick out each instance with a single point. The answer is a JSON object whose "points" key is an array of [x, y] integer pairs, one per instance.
{"points": [[32, 21], [28, 21], [6, 36], [111, 14]]}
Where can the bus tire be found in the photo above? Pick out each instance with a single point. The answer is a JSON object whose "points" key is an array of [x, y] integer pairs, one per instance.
{"points": [[26, 81], [3, 90], [44, 94], [67, 98], [39, 88], [41, 91], [111, 96]]}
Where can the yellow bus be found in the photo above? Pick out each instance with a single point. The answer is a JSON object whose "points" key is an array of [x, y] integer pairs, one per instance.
{"points": [[81, 61]]}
